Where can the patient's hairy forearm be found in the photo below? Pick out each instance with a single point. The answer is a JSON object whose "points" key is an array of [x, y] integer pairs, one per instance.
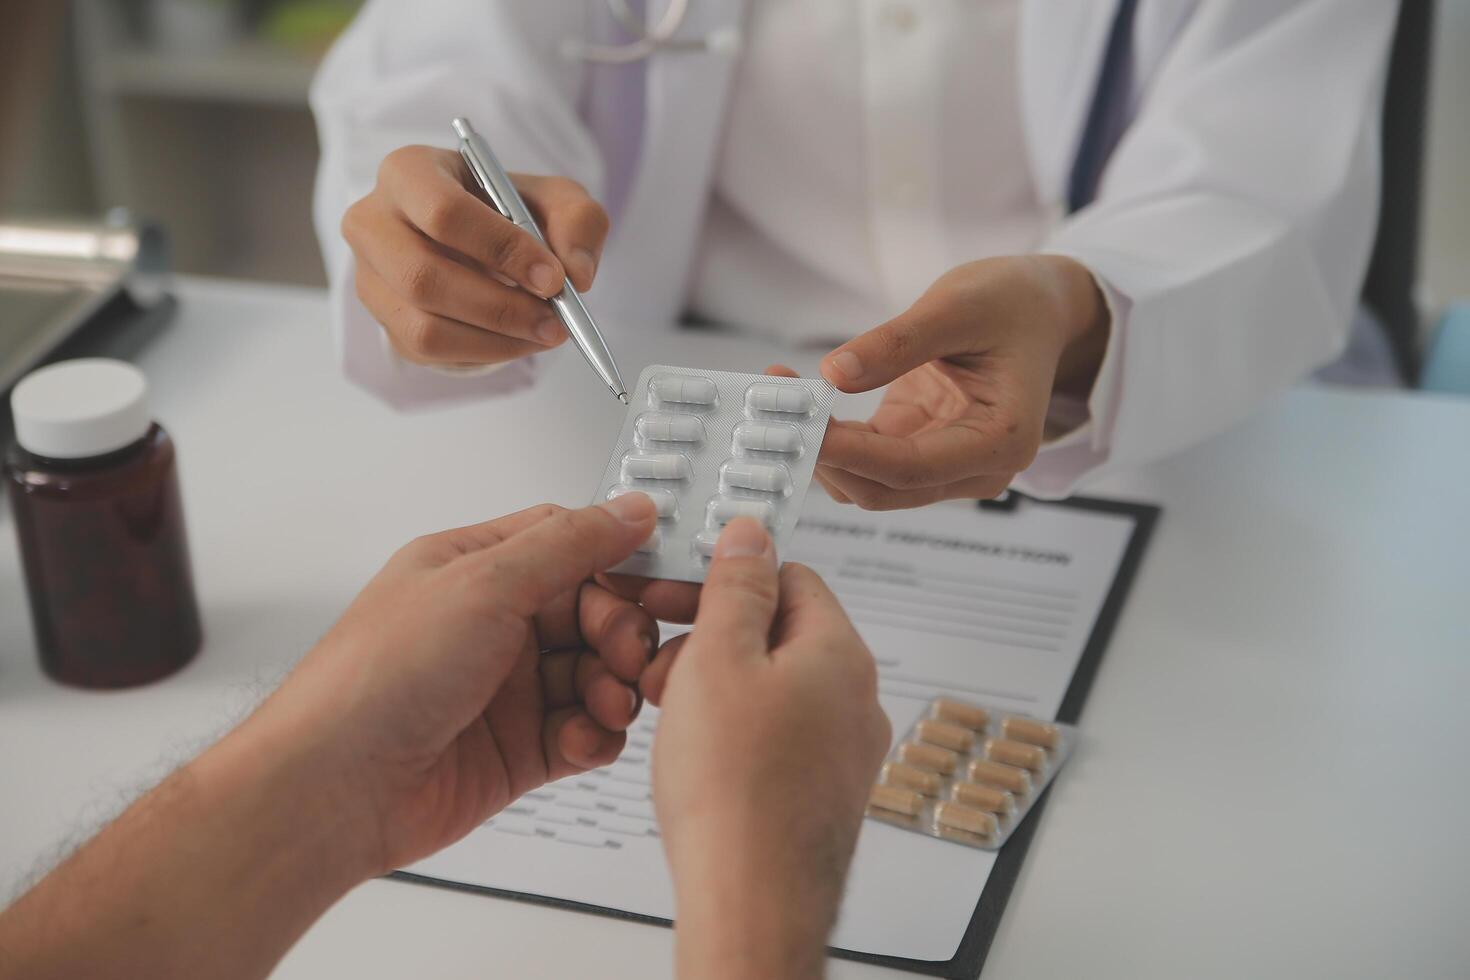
{"points": [[767, 937], [214, 873], [759, 907]]}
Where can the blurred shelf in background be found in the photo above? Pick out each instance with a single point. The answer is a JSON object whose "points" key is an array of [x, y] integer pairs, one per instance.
{"points": [[248, 71], [196, 116]]}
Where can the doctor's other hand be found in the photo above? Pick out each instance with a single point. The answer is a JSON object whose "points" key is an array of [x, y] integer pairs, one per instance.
{"points": [[452, 281], [478, 664], [971, 369], [768, 743]]}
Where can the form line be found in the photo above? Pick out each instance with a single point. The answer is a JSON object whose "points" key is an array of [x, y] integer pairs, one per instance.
{"points": [[973, 635], [955, 617]]}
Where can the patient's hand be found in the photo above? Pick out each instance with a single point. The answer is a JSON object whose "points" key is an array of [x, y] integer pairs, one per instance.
{"points": [[479, 664], [768, 744]]}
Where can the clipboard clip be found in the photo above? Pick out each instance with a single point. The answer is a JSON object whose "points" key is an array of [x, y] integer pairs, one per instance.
{"points": [[1008, 501]]}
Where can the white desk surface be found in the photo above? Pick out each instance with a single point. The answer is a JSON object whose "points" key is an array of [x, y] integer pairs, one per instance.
{"points": [[1273, 778]]}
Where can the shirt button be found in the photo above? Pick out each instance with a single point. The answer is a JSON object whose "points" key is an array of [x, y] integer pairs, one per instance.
{"points": [[900, 17]]}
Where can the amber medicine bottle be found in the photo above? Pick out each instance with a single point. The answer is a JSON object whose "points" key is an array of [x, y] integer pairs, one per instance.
{"points": [[94, 494]]}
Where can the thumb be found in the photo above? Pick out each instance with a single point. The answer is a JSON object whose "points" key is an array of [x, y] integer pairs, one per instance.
{"points": [[920, 334], [738, 602], [549, 559]]}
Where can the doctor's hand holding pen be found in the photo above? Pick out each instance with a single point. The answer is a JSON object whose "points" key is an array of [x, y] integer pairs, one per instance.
{"points": [[479, 664], [452, 281], [971, 369]]}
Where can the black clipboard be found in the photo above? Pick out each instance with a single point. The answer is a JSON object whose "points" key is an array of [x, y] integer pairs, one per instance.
{"points": [[969, 957]]}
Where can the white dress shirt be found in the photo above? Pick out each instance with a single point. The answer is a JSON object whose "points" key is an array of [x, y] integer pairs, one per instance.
{"points": [[869, 147]]}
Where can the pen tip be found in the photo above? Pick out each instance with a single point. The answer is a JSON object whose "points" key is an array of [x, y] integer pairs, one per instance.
{"points": [[623, 397]]}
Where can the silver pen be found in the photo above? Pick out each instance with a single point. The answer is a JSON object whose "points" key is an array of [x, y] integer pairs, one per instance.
{"points": [[507, 200]]}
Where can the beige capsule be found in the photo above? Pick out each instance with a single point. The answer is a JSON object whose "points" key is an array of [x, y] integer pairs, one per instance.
{"points": [[912, 777], [984, 797], [943, 733], [957, 816], [928, 757], [1031, 757], [1017, 781], [904, 801], [1031, 731], [959, 713]]}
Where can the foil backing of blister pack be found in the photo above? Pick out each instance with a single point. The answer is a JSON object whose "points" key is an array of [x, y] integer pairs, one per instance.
{"points": [[969, 773], [709, 446]]}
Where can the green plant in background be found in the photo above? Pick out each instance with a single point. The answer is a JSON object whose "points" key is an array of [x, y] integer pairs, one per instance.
{"points": [[307, 24]]}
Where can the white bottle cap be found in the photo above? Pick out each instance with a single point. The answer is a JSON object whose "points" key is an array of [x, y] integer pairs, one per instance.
{"points": [[81, 408]]}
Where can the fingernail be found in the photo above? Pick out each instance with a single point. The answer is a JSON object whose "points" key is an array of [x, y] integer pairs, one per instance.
{"points": [[550, 331], [630, 508], [632, 700], [543, 279], [650, 647], [847, 364], [743, 538], [581, 265], [592, 738]]}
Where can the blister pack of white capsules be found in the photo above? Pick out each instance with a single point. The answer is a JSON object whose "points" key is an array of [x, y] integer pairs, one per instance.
{"points": [[968, 773], [711, 446]]}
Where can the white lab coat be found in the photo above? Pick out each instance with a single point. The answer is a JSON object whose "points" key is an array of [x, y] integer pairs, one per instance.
{"points": [[1231, 227]]}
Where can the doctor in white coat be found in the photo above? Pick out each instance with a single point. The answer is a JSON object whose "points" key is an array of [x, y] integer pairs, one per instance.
{"points": [[1068, 235]]}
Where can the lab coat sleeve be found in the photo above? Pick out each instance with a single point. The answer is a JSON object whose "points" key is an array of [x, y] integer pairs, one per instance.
{"points": [[397, 77], [1232, 226]]}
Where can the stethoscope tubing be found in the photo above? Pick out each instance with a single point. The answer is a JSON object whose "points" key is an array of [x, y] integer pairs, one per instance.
{"points": [[646, 42]]}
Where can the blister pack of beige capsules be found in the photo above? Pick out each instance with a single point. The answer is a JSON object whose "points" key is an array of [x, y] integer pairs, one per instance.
{"points": [[969, 774], [711, 446]]}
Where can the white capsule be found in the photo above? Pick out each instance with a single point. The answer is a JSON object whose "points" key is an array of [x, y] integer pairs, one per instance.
{"points": [[704, 543], [683, 389], [664, 501], [787, 399], [668, 427], [768, 437], [765, 477], [723, 510], [652, 544], [656, 466]]}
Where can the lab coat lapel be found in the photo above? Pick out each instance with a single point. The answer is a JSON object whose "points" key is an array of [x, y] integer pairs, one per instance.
{"points": [[1061, 48], [1062, 45], [652, 252]]}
